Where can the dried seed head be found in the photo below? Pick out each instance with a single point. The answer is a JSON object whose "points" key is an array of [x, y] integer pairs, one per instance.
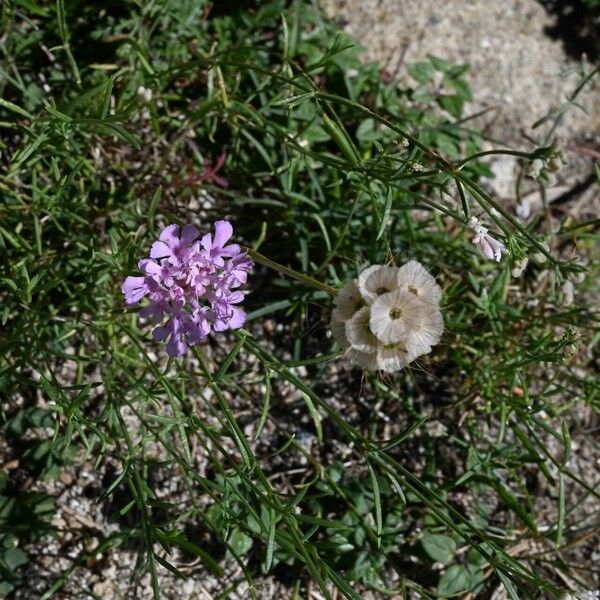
{"points": [[377, 280], [394, 314], [359, 333], [415, 278], [388, 317]]}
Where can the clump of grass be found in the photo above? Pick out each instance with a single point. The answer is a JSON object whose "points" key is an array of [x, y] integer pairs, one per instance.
{"points": [[428, 484]]}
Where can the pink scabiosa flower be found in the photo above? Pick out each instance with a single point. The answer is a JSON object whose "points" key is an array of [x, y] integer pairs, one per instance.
{"points": [[490, 247], [191, 285]]}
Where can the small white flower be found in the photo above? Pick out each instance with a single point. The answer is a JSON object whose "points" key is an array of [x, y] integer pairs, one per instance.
{"points": [[519, 267], [377, 280], [144, 94], [394, 314], [568, 292], [414, 278], [490, 247], [539, 257]]}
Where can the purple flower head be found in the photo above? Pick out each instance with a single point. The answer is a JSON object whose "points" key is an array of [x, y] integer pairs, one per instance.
{"points": [[192, 283]]}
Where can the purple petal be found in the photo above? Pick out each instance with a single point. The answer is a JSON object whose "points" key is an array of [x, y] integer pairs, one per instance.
{"points": [[176, 346], [134, 289], [220, 181], [149, 267], [154, 310], [189, 233], [198, 332], [170, 235], [223, 231], [237, 319], [231, 250], [235, 298], [206, 242], [220, 325], [160, 250], [160, 334]]}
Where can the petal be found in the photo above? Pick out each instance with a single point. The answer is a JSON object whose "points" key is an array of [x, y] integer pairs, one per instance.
{"points": [[220, 325], [206, 242], [149, 267], [134, 289], [160, 334], [230, 250], [189, 233], [176, 347], [391, 328], [348, 300], [416, 279], [160, 250], [393, 358], [170, 235], [132, 283], [420, 339], [220, 160], [223, 231], [237, 319], [235, 298], [220, 181]]}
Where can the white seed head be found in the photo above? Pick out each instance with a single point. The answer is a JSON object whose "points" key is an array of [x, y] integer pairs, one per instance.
{"points": [[421, 338], [388, 317], [358, 332], [348, 300], [413, 277], [393, 357], [377, 280], [364, 360], [396, 313], [338, 329]]}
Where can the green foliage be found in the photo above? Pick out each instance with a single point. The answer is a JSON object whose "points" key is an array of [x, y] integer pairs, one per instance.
{"points": [[329, 167]]}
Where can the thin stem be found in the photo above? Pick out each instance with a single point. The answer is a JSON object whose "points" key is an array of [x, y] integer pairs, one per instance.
{"points": [[267, 262], [518, 153]]}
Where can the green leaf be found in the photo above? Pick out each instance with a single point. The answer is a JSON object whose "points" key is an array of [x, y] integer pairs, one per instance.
{"points": [[439, 547], [14, 108], [240, 542], [13, 558], [455, 580], [421, 71]]}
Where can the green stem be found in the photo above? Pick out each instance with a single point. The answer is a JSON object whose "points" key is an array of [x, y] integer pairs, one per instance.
{"points": [[267, 262], [518, 153]]}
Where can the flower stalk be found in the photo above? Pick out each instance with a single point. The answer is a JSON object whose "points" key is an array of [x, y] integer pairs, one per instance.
{"points": [[271, 264]]}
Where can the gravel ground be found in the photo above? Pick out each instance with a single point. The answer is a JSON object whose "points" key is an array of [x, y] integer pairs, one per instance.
{"points": [[518, 74], [515, 67]]}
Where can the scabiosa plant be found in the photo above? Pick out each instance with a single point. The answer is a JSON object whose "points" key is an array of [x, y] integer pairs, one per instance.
{"points": [[192, 283], [388, 317]]}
